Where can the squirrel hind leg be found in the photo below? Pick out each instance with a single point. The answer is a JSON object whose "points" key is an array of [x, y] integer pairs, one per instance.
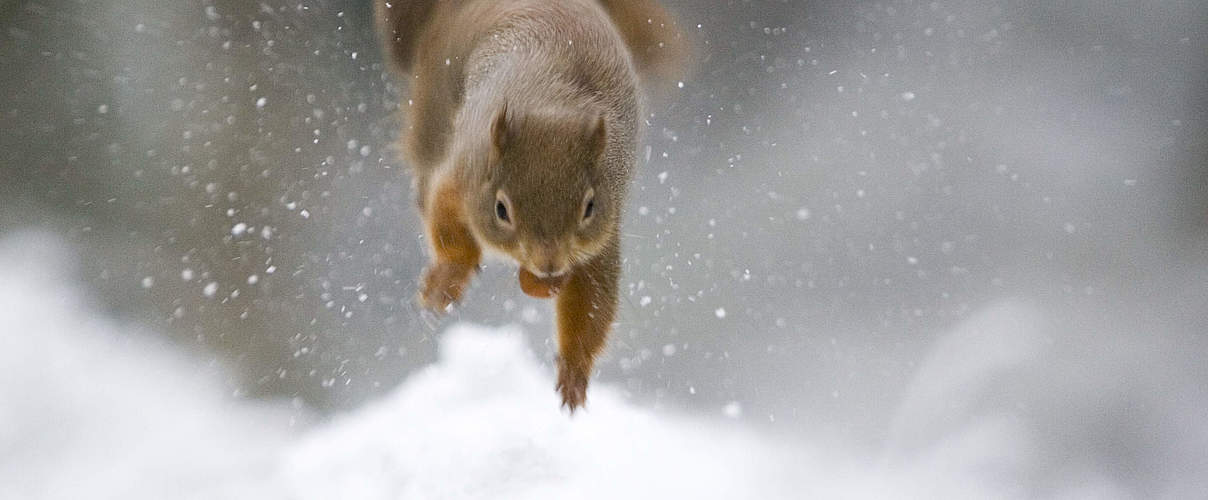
{"points": [[660, 50], [399, 24]]}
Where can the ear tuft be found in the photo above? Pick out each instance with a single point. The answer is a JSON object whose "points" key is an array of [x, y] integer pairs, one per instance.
{"points": [[597, 135], [499, 128]]}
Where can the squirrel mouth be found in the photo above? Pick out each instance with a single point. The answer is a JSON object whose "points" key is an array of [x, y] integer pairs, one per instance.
{"points": [[541, 287]]}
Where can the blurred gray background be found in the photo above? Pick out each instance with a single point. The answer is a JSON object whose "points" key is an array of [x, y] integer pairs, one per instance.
{"points": [[835, 185]]}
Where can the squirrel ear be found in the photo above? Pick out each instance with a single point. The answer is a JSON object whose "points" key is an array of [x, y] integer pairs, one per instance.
{"points": [[597, 135], [499, 128]]}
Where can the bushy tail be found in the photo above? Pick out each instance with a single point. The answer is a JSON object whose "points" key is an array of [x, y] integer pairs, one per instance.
{"points": [[660, 49], [399, 23]]}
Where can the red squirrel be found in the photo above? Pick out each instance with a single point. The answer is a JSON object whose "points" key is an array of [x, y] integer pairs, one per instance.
{"points": [[521, 132]]}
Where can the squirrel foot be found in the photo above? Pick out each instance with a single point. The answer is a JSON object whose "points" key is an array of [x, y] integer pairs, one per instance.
{"points": [[443, 284], [572, 384]]}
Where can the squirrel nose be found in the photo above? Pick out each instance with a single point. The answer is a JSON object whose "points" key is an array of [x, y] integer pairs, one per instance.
{"points": [[544, 260], [544, 264]]}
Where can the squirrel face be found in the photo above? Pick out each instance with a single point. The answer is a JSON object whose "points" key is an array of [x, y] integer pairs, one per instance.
{"points": [[545, 200]]}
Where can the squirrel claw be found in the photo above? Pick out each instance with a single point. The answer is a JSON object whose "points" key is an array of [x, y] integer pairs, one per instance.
{"points": [[573, 386]]}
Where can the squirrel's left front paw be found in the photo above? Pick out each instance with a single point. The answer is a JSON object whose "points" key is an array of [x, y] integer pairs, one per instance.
{"points": [[572, 385]]}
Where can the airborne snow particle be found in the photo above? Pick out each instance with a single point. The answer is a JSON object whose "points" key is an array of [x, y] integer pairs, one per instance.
{"points": [[238, 229], [148, 282], [187, 274], [645, 301], [803, 213], [720, 312], [261, 102], [210, 289], [530, 315], [908, 96], [732, 409]]}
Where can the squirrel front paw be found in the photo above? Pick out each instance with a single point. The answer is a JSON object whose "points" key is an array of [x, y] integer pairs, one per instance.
{"points": [[443, 284], [572, 385]]}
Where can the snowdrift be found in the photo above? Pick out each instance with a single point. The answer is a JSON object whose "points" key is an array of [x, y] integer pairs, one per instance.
{"points": [[484, 423], [89, 408]]}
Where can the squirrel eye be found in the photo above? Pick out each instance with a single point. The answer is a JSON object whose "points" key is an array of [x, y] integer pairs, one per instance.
{"points": [[501, 211], [589, 209]]}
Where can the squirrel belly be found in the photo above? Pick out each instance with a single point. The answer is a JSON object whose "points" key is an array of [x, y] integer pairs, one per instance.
{"points": [[521, 134]]}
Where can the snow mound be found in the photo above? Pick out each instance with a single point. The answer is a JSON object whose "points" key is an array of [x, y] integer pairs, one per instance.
{"points": [[484, 422], [89, 409]]}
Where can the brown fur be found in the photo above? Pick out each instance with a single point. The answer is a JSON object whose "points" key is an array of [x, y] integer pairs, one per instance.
{"points": [[521, 132]]}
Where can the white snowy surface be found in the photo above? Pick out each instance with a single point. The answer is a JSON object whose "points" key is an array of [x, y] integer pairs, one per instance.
{"points": [[90, 409], [484, 423]]}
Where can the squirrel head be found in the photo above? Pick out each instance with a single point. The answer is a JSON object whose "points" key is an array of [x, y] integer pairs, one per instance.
{"points": [[545, 198]]}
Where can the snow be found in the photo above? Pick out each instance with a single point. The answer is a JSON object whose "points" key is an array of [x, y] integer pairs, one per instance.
{"points": [[93, 408], [484, 423], [89, 409]]}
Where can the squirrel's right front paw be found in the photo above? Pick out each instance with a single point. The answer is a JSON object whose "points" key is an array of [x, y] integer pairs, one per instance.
{"points": [[442, 285]]}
